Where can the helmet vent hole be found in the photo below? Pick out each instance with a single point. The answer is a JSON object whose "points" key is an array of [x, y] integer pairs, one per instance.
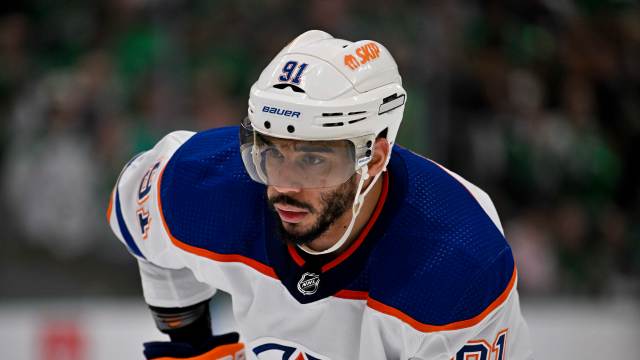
{"points": [[356, 120], [333, 124], [293, 87], [291, 129], [357, 112], [331, 114], [267, 125]]}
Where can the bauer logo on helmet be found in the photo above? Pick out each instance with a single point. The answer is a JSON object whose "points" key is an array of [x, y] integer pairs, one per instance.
{"points": [[281, 112]]}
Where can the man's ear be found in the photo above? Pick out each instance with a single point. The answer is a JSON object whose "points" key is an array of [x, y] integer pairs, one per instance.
{"points": [[381, 150]]}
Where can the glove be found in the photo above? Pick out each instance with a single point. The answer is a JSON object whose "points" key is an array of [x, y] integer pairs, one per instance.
{"points": [[221, 347]]}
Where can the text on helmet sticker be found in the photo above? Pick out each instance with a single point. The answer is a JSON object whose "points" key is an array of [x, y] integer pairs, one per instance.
{"points": [[288, 69], [281, 112], [367, 52]]}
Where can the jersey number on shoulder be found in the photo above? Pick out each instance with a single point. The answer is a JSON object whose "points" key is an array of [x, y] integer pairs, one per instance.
{"points": [[143, 195], [482, 350]]}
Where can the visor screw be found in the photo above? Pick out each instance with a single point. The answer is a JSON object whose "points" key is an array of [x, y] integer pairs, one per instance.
{"points": [[291, 129], [368, 153], [267, 124], [369, 143]]}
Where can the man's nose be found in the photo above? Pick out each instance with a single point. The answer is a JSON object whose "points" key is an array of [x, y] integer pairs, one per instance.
{"points": [[287, 179], [287, 188]]}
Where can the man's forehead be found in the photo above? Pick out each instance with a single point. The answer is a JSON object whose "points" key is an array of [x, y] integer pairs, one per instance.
{"points": [[303, 144]]}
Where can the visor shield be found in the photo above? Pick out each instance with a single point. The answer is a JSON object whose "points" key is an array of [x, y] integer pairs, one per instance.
{"points": [[296, 163]]}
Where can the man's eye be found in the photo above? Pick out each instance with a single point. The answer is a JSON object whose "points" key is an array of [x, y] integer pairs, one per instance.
{"points": [[273, 153], [312, 160]]}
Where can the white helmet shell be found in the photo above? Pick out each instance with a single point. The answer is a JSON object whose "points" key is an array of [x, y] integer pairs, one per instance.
{"points": [[322, 88]]}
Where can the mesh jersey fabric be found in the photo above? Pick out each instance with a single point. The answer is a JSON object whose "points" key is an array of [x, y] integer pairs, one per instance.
{"points": [[440, 258]]}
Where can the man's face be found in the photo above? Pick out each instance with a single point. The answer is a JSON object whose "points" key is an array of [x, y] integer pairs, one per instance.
{"points": [[291, 167], [307, 214]]}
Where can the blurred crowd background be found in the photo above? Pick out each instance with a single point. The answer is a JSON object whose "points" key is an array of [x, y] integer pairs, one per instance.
{"points": [[535, 101]]}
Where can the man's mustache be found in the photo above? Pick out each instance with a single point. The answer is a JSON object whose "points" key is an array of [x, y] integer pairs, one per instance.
{"points": [[287, 200]]}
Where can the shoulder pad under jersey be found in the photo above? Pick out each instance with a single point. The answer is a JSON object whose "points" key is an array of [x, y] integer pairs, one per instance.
{"points": [[444, 262], [133, 212]]}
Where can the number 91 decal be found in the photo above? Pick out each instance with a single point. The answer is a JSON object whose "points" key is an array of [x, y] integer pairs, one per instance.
{"points": [[288, 72], [482, 350]]}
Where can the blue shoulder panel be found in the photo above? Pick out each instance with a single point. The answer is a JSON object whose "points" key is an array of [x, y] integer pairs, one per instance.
{"points": [[209, 201], [442, 260]]}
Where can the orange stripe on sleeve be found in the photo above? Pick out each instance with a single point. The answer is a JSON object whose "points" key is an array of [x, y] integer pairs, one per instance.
{"points": [[110, 207], [386, 309], [256, 265], [262, 268]]}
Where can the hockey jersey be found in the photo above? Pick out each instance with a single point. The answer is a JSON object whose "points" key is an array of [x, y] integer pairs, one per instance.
{"points": [[431, 275]]}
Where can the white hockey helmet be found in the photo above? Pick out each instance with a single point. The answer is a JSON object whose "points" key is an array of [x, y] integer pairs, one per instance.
{"points": [[325, 91]]}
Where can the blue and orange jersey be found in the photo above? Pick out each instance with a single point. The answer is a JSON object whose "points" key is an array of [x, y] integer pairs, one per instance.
{"points": [[433, 256]]}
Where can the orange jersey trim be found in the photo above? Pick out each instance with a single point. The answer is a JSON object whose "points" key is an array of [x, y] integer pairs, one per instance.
{"points": [[295, 256], [110, 206], [386, 309], [256, 265], [352, 295]]}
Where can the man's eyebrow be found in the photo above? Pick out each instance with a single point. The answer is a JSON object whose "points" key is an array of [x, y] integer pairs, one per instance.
{"points": [[301, 146], [313, 148], [265, 140]]}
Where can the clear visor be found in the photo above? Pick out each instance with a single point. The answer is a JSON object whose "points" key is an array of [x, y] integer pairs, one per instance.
{"points": [[296, 163]]}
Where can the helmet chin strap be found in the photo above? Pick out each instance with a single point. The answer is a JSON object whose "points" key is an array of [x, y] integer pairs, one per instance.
{"points": [[355, 210]]}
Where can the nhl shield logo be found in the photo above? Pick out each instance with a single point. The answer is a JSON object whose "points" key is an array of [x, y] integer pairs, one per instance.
{"points": [[308, 284]]}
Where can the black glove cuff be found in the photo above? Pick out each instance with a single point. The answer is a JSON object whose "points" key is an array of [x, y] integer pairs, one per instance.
{"points": [[156, 349], [191, 324]]}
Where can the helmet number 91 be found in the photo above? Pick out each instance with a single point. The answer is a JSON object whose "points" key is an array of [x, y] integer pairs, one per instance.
{"points": [[288, 72]]}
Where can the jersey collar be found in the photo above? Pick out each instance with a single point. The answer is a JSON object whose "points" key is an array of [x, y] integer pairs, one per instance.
{"points": [[328, 261], [309, 278]]}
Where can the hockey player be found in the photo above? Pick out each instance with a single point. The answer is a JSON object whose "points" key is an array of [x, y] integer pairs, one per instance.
{"points": [[333, 242]]}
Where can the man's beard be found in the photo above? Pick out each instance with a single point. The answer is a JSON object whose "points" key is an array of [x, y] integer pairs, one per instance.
{"points": [[334, 205]]}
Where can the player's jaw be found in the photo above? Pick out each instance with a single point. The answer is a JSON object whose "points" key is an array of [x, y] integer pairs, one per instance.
{"points": [[308, 214]]}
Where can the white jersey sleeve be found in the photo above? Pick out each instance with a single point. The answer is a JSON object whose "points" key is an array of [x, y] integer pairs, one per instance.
{"points": [[134, 217], [172, 287]]}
